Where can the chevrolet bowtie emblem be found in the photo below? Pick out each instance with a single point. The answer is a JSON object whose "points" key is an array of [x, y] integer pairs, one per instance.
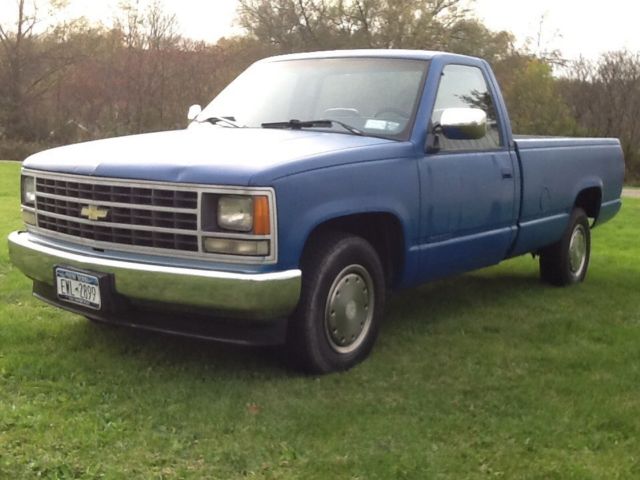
{"points": [[93, 212]]}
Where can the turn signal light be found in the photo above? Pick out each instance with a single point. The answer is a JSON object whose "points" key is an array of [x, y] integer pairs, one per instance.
{"points": [[28, 217], [261, 219]]}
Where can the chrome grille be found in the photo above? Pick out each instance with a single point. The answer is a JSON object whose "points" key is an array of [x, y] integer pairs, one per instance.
{"points": [[153, 217]]}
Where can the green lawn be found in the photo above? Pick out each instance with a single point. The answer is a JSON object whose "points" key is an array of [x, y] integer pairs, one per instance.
{"points": [[487, 375]]}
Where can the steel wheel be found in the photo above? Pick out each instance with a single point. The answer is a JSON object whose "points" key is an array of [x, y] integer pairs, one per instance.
{"points": [[566, 261], [578, 250], [349, 310]]}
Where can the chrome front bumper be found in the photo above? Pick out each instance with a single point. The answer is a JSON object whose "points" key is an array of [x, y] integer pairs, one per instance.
{"points": [[259, 296]]}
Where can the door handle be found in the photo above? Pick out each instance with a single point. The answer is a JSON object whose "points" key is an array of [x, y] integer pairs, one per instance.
{"points": [[507, 173]]}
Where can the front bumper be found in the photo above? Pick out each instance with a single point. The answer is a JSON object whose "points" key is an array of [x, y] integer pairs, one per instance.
{"points": [[260, 297]]}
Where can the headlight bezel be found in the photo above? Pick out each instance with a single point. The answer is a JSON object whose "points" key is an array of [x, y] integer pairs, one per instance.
{"points": [[251, 234]]}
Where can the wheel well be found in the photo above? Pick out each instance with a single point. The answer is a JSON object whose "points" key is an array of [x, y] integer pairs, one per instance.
{"points": [[589, 200], [382, 230]]}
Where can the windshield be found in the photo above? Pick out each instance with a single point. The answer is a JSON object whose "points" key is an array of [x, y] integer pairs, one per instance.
{"points": [[376, 96]]}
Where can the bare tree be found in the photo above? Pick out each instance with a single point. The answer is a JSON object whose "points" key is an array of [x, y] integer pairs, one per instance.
{"points": [[150, 40], [605, 98], [294, 25], [28, 66]]}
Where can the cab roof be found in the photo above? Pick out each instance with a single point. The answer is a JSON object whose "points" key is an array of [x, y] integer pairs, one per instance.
{"points": [[370, 53]]}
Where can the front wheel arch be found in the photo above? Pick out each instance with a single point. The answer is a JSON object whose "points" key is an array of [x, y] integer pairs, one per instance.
{"points": [[384, 231]]}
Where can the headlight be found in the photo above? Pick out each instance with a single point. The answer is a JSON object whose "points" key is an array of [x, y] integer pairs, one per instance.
{"points": [[235, 213], [28, 191]]}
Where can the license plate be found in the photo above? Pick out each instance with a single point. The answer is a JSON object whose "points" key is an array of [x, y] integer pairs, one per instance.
{"points": [[79, 288]]}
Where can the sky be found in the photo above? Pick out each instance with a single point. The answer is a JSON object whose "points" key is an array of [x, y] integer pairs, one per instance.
{"points": [[575, 27]]}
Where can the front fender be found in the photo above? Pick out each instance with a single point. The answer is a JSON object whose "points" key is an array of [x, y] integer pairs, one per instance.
{"points": [[310, 199]]}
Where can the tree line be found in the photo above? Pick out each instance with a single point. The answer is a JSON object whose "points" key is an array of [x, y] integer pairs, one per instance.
{"points": [[72, 81]]}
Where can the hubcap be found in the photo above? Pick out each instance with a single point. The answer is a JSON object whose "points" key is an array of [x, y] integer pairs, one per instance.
{"points": [[349, 309], [578, 250]]}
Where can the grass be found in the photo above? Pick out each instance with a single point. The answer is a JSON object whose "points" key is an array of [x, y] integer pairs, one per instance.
{"points": [[487, 375]]}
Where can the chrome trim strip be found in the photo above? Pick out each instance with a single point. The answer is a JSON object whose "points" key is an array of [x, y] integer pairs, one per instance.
{"points": [[132, 226], [542, 220], [199, 220], [190, 187], [123, 226], [119, 247], [259, 296], [133, 206]]}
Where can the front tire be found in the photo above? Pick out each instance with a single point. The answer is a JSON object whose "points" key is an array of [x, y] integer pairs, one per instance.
{"points": [[566, 261], [338, 316]]}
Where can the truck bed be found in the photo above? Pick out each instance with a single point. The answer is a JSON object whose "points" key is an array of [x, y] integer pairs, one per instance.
{"points": [[554, 171]]}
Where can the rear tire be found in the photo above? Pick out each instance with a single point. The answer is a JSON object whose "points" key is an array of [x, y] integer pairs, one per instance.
{"points": [[566, 261], [338, 316]]}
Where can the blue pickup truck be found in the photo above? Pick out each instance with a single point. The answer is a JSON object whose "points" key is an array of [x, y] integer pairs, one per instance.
{"points": [[304, 192]]}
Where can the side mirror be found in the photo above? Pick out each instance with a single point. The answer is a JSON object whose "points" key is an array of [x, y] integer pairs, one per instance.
{"points": [[194, 111], [463, 123]]}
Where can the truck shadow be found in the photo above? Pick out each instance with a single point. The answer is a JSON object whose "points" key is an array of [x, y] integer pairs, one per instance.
{"points": [[184, 353], [440, 301], [444, 300]]}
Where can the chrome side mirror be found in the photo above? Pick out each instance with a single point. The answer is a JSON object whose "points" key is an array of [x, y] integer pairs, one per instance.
{"points": [[464, 123], [194, 111]]}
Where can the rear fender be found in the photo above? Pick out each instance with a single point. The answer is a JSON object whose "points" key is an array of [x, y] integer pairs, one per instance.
{"points": [[582, 189]]}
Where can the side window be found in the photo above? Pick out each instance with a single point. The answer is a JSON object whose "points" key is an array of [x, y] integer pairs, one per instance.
{"points": [[463, 86]]}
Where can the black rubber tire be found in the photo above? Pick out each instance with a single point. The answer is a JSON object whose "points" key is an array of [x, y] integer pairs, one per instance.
{"points": [[555, 262], [325, 258]]}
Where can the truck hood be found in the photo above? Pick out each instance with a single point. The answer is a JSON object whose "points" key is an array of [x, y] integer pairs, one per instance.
{"points": [[209, 154]]}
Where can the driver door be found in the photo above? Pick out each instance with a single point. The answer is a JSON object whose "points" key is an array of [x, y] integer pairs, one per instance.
{"points": [[468, 204]]}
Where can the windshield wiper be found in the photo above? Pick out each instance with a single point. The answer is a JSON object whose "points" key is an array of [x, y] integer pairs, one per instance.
{"points": [[227, 120], [298, 125]]}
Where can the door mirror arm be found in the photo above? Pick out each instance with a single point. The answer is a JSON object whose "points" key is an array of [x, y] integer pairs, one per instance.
{"points": [[433, 142], [194, 111]]}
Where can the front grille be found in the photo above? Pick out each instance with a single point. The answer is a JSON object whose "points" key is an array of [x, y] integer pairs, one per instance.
{"points": [[127, 215], [156, 217]]}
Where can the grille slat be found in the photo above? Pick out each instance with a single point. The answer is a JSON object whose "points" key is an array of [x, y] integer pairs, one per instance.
{"points": [[159, 213]]}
